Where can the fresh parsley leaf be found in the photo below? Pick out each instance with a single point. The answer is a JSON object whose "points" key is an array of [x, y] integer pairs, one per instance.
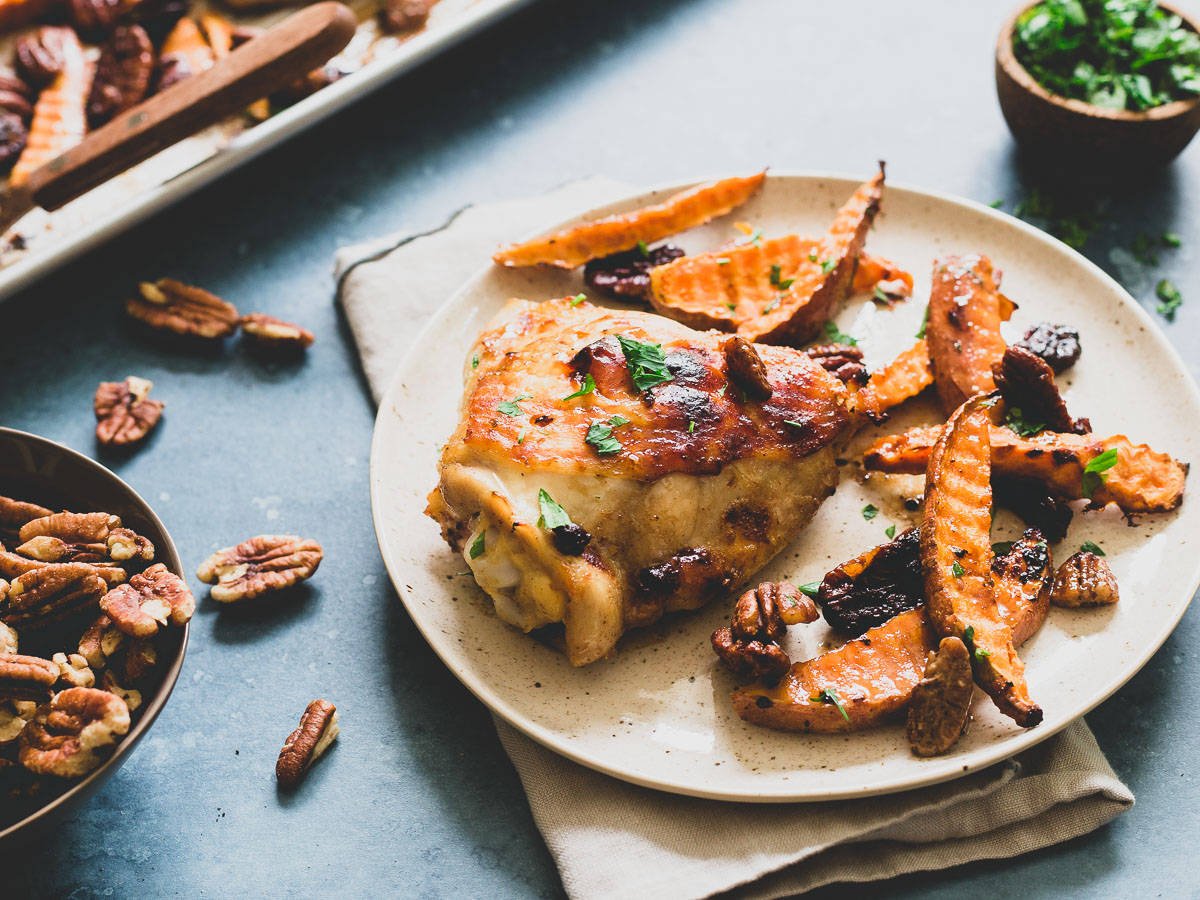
{"points": [[771, 306], [552, 515], [478, 546], [1143, 248], [691, 426], [1171, 239], [811, 589], [1016, 420], [793, 423], [776, 281], [870, 511], [828, 265], [723, 260], [577, 299], [730, 305], [879, 295], [890, 531], [646, 363], [1170, 297], [589, 385], [968, 638], [1091, 547], [600, 435], [754, 238], [812, 256], [924, 323], [996, 204], [957, 570], [510, 407], [836, 336], [475, 361], [1002, 547], [1093, 472], [521, 436], [969, 635], [643, 249], [829, 695]]}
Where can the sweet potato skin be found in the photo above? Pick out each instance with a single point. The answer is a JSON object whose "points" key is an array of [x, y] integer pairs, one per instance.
{"points": [[577, 244], [963, 332], [903, 378], [956, 557], [1142, 481]]}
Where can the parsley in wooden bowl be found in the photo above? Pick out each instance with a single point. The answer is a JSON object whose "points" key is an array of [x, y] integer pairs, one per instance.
{"points": [[1096, 84]]}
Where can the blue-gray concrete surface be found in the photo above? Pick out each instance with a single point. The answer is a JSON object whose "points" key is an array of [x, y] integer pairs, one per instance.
{"points": [[417, 798]]}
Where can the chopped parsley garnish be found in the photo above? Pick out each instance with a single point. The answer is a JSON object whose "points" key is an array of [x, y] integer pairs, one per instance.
{"points": [[879, 295], [478, 546], [957, 570], [1143, 247], [1093, 472], [730, 305], [521, 435], [870, 511], [646, 363], [811, 589], [754, 238], [1069, 219], [1171, 239], [828, 265], [1171, 299], [1115, 54], [890, 531], [793, 423], [837, 336], [722, 389], [1000, 548], [643, 249], [589, 385], [1092, 547], [829, 695], [813, 257], [600, 435], [979, 653], [924, 323], [475, 361], [691, 426], [577, 299], [552, 515], [510, 407], [771, 307], [723, 260], [782, 283], [996, 204], [1016, 420]]}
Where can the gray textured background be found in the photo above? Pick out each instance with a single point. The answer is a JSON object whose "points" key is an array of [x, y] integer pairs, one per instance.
{"points": [[417, 798]]}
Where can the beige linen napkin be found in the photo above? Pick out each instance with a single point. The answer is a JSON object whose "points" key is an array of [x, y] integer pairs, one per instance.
{"points": [[612, 839]]}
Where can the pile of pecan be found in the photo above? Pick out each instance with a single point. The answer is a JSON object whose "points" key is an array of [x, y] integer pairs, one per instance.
{"points": [[749, 647], [84, 610]]}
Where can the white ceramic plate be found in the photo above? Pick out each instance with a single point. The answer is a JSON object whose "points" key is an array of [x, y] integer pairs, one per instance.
{"points": [[658, 713]]}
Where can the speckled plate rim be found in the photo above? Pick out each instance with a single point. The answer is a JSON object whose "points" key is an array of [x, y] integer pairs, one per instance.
{"points": [[165, 552], [943, 768]]}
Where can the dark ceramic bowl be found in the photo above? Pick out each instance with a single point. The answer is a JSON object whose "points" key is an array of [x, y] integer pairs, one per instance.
{"points": [[34, 468], [1078, 136]]}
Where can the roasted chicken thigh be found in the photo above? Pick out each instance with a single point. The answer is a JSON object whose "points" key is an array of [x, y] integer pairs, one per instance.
{"points": [[612, 466]]}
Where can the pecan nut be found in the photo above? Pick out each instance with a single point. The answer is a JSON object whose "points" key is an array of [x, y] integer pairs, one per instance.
{"points": [[149, 601], [123, 74], [1084, 580], [15, 513], [626, 275], [82, 537], [125, 414], [91, 17], [169, 305], [41, 55], [13, 565], [14, 135], [750, 659], [26, 677], [74, 669], [48, 549], [318, 729], [131, 696], [8, 638], [100, 642], [51, 592], [12, 722], [267, 332], [16, 96], [940, 707], [69, 735], [746, 368], [260, 565], [843, 361], [405, 15]]}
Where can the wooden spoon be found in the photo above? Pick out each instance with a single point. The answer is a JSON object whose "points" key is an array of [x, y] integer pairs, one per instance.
{"points": [[294, 47]]}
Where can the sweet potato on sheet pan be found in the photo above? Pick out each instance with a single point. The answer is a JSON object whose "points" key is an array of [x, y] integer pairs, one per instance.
{"points": [[60, 115], [963, 331], [576, 244], [778, 293], [956, 558], [1141, 481]]}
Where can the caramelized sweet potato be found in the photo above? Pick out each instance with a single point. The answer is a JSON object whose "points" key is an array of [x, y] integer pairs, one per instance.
{"points": [[874, 586], [575, 245], [777, 292], [963, 331], [901, 379], [875, 271], [60, 116], [956, 557], [1021, 581], [1142, 481]]}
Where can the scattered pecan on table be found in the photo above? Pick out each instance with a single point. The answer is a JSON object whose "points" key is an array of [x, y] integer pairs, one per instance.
{"points": [[123, 74], [70, 735], [169, 305], [258, 566], [269, 333], [125, 414], [318, 729]]}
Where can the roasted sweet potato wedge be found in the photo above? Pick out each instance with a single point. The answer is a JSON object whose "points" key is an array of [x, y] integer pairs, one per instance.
{"points": [[1022, 579], [60, 115], [185, 52], [956, 558], [901, 379], [576, 244], [1141, 481], [873, 272], [963, 331], [771, 292]]}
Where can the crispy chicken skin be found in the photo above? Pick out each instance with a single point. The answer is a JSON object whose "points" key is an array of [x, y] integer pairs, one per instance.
{"points": [[706, 486]]}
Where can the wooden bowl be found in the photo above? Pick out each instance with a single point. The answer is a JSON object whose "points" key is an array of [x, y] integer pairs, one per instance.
{"points": [[37, 469], [1075, 135]]}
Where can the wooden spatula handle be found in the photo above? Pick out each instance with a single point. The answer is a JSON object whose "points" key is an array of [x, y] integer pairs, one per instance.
{"points": [[297, 45]]}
